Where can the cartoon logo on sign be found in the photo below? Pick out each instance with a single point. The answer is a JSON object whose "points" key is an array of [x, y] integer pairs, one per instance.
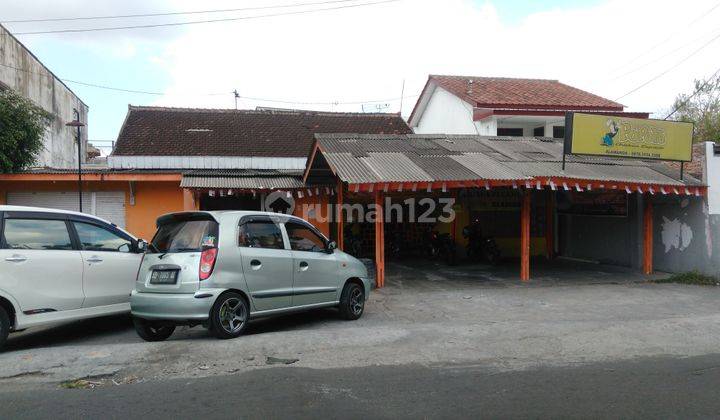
{"points": [[613, 130]]}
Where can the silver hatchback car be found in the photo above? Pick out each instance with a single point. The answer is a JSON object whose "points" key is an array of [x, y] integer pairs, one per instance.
{"points": [[220, 269]]}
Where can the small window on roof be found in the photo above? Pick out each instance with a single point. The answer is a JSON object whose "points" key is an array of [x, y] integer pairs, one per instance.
{"points": [[559, 132]]}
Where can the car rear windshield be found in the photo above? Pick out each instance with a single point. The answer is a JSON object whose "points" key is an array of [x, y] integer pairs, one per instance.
{"points": [[184, 236]]}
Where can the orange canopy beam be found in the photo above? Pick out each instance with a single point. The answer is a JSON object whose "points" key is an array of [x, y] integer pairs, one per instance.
{"points": [[550, 224], [648, 236], [525, 237], [379, 239], [339, 216]]}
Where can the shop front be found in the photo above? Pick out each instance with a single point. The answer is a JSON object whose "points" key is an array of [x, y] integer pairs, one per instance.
{"points": [[399, 193]]}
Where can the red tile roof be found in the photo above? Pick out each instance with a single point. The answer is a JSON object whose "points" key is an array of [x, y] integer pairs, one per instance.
{"points": [[494, 92], [696, 167], [156, 131]]}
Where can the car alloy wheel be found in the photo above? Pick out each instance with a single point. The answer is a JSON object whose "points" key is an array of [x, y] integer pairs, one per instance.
{"points": [[357, 301], [232, 315]]}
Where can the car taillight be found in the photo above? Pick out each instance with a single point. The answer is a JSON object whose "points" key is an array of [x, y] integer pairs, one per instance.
{"points": [[207, 262]]}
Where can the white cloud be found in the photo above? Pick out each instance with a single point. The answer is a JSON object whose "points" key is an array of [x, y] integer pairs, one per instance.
{"points": [[365, 53]]}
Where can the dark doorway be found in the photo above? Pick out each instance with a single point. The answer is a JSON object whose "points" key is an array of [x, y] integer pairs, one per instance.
{"points": [[234, 202], [512, 132]]}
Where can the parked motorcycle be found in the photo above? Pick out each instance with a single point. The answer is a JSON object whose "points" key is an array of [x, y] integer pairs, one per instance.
{"points": [[395, 244], [441, 245], [479, 246]]}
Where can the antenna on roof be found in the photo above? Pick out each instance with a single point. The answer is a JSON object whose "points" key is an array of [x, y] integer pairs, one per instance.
{"points": [[237, 96], [402, 93]]}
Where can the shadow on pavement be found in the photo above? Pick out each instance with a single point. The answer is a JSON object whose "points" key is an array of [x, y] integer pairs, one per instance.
{"points": [[96, 329], [301, 320]]}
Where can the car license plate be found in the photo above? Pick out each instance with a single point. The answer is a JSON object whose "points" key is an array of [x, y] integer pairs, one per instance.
{"points": [[163, 277]]}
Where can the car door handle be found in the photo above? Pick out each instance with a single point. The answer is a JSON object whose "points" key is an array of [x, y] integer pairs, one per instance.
{"points": [[255, 264], [16, 258], [303, 266], [94, 259]]}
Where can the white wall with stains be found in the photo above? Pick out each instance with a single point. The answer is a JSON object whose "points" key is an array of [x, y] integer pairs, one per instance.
{"points": [[25, 74], [712, 175]]}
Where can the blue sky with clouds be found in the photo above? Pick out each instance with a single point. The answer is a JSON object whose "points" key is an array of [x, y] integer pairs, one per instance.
{"points": [[364, 53], [513, 11]]}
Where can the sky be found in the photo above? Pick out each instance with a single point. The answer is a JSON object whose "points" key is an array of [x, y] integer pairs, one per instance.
{"points": [[357, 58]]}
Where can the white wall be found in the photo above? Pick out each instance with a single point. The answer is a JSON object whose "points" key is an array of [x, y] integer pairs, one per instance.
{"points": [[36, 83], [487, 126], [712, 171], [445, 113]]}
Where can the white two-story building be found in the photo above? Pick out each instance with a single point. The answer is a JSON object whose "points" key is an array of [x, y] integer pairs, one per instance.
{"points": [[499, 106]]}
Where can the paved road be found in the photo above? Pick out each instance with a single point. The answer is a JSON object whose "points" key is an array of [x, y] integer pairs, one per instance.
{"points": [[425, 317], [641, 388]]}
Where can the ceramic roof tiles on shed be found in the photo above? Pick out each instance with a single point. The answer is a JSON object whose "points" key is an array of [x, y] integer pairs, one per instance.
{"points": [[360, 159], [156, 131]]}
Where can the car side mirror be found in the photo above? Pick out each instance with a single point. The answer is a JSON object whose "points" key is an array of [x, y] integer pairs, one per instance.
{"points": [[141, 246], [331, 247]]}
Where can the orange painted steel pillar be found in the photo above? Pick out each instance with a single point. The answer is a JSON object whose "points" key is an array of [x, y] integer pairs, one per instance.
{"points": [[379, 240], [525, 237], [550, 225], [648, 237], [339, 216]]}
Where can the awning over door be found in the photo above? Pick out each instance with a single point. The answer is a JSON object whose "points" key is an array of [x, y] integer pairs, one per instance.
{"points": [[242, 180]]}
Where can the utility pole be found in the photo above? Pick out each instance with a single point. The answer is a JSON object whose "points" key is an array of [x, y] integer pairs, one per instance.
{"points": [[237, 96], [402, 94], [77, 124]]}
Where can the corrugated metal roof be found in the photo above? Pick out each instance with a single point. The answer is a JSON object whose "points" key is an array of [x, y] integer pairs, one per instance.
{"points": [[363, 158], [242, 179], [443, 167], [394, 167], [244, 182], [487, 168], [351, 169]]}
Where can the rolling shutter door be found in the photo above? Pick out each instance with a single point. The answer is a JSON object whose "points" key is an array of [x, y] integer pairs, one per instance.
{"points": [[109, 205]]}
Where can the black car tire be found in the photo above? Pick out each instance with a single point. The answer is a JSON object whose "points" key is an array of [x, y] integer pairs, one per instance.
{"points": [[4, 326], [229, 316], [153, 330], [352, 301]]}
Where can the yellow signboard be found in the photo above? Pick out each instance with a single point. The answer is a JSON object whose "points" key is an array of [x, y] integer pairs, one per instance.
{"points": [[604, 135]]}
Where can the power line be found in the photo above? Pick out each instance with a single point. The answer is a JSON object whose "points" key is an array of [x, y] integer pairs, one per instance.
{"points": [[197, 12], [251, 98], [161, 25], [642, 66], [671, 68], [279, 101], [697, 90], [697, 19], [116, 89]]}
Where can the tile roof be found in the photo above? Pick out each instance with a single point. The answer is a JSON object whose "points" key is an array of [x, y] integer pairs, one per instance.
{"points": [[694, 168], [156, 131], [493, 92], [357, 159]]}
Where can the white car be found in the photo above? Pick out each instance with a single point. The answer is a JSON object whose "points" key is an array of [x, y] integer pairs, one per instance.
{"points": [[58, 266]]}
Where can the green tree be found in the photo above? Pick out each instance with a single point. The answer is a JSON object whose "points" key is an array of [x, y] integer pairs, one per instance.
{"points": [[22, 126], [702, 107]]}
